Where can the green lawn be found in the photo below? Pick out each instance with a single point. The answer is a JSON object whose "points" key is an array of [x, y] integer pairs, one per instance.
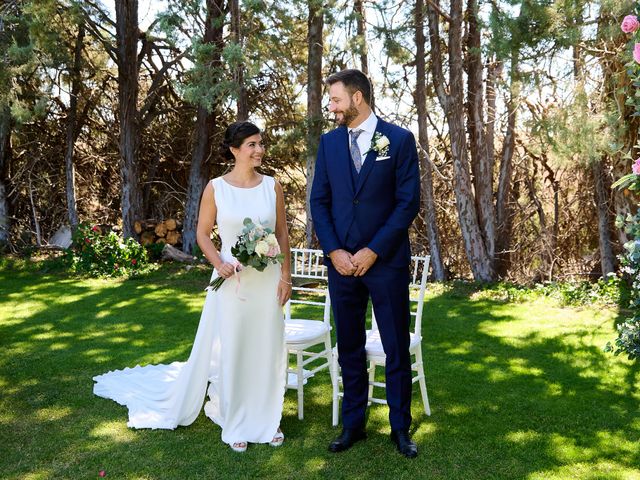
{"points": [[517, 390]]}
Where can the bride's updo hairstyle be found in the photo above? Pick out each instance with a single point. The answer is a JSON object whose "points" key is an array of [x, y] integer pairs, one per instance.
{"points": [[236, 134]]}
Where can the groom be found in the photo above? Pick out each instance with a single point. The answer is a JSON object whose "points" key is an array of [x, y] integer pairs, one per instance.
{"points": [[365, 195]]}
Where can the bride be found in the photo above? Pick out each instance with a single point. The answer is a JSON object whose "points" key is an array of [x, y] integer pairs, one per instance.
{"points": [[239, 349]]}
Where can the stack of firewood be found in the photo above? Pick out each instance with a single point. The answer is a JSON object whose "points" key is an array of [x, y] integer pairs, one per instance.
{"points": [[166, 231]]}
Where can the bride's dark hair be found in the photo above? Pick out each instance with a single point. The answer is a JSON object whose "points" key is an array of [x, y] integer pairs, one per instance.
{"points": [[235, 135]]}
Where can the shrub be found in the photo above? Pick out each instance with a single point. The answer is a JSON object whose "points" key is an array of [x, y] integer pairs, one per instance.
{"points": [[154, 251], [611, 290], [628, 340], [95, 253]]}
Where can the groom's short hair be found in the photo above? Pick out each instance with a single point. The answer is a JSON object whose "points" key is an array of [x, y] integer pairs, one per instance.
{"points": [[353, 80]]}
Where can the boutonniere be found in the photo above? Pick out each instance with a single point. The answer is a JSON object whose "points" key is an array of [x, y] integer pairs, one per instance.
{"points": [[379, 144]]}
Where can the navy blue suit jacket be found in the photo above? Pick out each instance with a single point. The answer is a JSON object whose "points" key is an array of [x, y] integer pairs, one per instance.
{"points": [[377, 206]]}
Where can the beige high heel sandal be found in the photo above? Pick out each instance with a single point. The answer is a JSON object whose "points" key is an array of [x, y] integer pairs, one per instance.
{"points": [[239, 447], [278, 439]]}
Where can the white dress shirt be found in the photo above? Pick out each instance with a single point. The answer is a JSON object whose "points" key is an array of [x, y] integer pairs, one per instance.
{"points": [[368, 128]]}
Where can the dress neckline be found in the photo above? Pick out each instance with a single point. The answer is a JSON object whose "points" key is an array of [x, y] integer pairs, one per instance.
{"points": [[243, 188]]}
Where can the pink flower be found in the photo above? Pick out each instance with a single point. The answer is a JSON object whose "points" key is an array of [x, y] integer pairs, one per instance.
{"points": [[636, 52], [133, 261], [102, 473], [636, 166], [630, 24], [95, 228]]}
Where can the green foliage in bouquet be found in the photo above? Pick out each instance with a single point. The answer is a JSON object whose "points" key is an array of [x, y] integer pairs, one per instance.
{"points": [[256, 246], [95, 253]]}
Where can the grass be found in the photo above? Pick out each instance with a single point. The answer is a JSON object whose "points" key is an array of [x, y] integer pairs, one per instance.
{"points": [[518, 390]]}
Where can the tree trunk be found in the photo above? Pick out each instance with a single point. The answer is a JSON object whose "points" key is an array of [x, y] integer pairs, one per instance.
{"points": [[127, 46], [551, 235], [314, 101], [205, 126], [607, 257], [73, 130], [426, 183], [504, 198], [602, 187], [361, 34], [553, 244], [197, 177], [453, 105], [616, 87], [238, 72], [5, 160], [34, 214], [481, 158], [150, 177], [494, 72]]}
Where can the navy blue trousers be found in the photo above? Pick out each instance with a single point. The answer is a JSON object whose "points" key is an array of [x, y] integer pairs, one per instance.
{"points": [[388, 289]]}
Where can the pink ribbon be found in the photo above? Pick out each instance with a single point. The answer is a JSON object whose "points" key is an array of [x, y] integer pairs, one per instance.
{"points": [[237, 268]]}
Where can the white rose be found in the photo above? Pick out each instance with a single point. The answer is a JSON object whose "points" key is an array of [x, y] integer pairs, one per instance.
{"points": [[272, 240], [262, 248], [382, 142]]}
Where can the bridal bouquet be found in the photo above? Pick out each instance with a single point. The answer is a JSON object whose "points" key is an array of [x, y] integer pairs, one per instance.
{"points": [[256, 247]]}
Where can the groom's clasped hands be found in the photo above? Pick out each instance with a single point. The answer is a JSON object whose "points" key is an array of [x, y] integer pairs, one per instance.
{"points": [[357, 264]]}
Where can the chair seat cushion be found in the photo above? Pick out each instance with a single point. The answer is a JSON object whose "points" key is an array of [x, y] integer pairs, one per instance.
{"points": [[374, 343], [303, 331]]}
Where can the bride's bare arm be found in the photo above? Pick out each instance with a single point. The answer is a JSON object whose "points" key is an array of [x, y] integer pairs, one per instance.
{"points": [[206, 221], [282, 234]]}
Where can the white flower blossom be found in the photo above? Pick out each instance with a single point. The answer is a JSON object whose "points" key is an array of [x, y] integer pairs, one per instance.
{"points": [[262, 247], [272, 240]]}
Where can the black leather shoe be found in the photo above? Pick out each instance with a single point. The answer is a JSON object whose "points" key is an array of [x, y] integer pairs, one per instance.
{"points": [[406, 446], [346, 439]]}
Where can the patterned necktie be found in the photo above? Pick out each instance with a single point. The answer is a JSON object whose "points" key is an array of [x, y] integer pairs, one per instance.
{"points": [[355, 150]]}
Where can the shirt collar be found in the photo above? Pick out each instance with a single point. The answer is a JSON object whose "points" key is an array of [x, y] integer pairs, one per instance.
{"points": [[369, 125]]}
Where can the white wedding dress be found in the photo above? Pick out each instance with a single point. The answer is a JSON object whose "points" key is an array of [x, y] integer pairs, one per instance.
{"points": [[238, 351]]}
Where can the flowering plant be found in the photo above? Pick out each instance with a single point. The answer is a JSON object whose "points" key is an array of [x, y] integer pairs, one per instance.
{"points": [[630, 181], [379, 144], [257, 247], [628, 341], [631, 26], [97, 253]]}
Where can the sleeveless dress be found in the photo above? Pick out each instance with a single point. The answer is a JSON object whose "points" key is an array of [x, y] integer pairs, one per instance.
{"points": [[238, 351]]}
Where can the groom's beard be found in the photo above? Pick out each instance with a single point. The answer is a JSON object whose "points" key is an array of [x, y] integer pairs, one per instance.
{"points": [[348, 115]]}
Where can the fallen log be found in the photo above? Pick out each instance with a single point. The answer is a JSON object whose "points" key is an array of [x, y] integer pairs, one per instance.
{"points": [[173, 237], [170, 252], [171, 224], [161, 229], [147, 237]]}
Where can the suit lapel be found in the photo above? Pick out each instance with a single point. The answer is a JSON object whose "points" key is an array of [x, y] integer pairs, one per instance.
{"points": [[370, 159]]}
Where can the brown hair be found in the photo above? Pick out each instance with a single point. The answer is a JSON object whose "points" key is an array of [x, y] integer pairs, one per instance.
{"points": [[353, 80]]}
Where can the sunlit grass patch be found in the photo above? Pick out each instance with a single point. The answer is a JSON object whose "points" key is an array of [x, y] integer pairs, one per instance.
{"points": [[518, 389]]}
